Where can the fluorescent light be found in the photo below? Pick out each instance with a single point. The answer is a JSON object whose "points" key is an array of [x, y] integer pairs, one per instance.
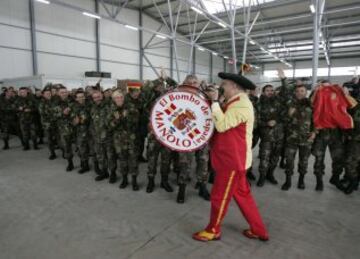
{"points": [[92, 15], [197, 10], [160, 36], [221, 24], [201, 49], [131, 27], [214, 53], [226, 57], [43, 1], [345, 43], [312, 8], [252, 42]]}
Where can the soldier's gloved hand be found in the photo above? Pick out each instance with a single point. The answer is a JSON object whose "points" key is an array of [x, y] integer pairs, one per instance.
{"points": [[271, 123]]}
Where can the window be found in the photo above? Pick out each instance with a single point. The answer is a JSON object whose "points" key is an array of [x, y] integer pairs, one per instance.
{"points": [[307, 72]]}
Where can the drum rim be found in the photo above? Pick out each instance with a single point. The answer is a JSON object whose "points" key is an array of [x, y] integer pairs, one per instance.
{"points": [[166, 145]]}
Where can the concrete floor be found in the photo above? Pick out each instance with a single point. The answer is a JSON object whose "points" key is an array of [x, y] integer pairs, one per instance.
{"points": [[46, 212]]}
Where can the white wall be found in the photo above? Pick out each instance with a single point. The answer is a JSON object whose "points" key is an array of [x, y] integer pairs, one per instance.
{"points": [[66, 44]]}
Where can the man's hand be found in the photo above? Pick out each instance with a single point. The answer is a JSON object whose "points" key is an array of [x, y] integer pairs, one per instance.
{"points": [[213, 94], [281, 73], [117, 115], [76, 120], [66, 111], [312, 137], [27, 110], [291, 111], [271, 123]]}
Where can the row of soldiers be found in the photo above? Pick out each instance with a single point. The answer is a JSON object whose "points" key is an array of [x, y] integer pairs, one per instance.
{"points": [[284, 125], [108, 126], [111, 127]]}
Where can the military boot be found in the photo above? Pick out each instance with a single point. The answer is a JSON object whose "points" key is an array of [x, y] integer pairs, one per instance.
{"points": [[6, 144], [97, 168], [52, 155], [283, 163], [102, 176], [301, 183], [151, 185], [335, 180], [26, 145], [134, 183], [70, 165], [181, 194], [84, 167], [35, 145], [165, 184], [124, 182], [270, 177], [261, 181], [250, 176], [319, 183], [203, 192], [113, 176], [287, 185]]}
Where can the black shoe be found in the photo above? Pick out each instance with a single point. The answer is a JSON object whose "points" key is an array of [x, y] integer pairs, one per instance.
{"points": [[250, 175], [165, 184], [319, 183], [26, 146], [335, 180], [84, 167], [6, 144], [124, 182], [301, 184], [286, 186], [41, 141], [282, 163], [211, 177], [270, 177], [52, 155], [181, 194], [102, 176], [97, 169], [141, 159], [203, 192], [113, 177], [350, 187], [134, 183], [70, 165], [151, 185], [261, 181]]}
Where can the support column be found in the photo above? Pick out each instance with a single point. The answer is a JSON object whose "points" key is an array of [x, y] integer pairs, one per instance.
{"points": [[171, 58], [211, 67], [141, 54], [33, 37], [316, 34], [97, 37], [193, 70]]}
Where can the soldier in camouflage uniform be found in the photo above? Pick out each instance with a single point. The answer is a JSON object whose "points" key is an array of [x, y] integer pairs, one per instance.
{"points": [[81, 120], [48, 120], [26, 107], [62, 112], [185, 162], [270, 123], [8, 119], [254, 100], [352, 165], [300, 136], [154, 147], [128, 149], [37, 117], [101, 134]]}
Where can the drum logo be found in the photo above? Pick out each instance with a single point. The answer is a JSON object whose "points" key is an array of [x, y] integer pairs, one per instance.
{"points": [[182, 121]]}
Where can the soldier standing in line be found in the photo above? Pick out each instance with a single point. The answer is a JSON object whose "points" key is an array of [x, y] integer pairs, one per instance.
{"points": [[62, 112], [47, 120], [254, 100], [300, 137], [101, 134], [81, 120], [37, 117], [26, 108], [154, 147]]}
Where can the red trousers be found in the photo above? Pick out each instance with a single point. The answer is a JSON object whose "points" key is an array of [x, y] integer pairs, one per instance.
{"points": [[226, 186]]}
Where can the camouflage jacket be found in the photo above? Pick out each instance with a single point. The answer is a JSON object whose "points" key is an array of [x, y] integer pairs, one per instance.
{"points": [[26, 107], [63, 121], [46, 112], [8, 109], [99, 126], [299, 122], [134, 110], [269, 109], [80, 112], [254, 100], [354, 134]]}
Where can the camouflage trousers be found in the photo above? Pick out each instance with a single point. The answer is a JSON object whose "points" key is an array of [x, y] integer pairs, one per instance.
{"points": [[304, 154], [9, 127], [51, 133], [185, 165], [28, 131], [82, 143], [332, 138], [269, 153], [127, 154], [154, 149], [105, 154], [352, 165], [66, 141]]}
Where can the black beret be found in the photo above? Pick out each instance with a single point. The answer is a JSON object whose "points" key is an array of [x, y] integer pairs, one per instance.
{"points": [[238, 79]]}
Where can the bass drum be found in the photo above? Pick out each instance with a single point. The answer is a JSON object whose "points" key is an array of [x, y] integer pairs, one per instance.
{"points": [[181, 119]]}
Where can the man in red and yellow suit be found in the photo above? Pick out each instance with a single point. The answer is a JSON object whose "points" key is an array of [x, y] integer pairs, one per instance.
{"points": [[231, 156]]}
